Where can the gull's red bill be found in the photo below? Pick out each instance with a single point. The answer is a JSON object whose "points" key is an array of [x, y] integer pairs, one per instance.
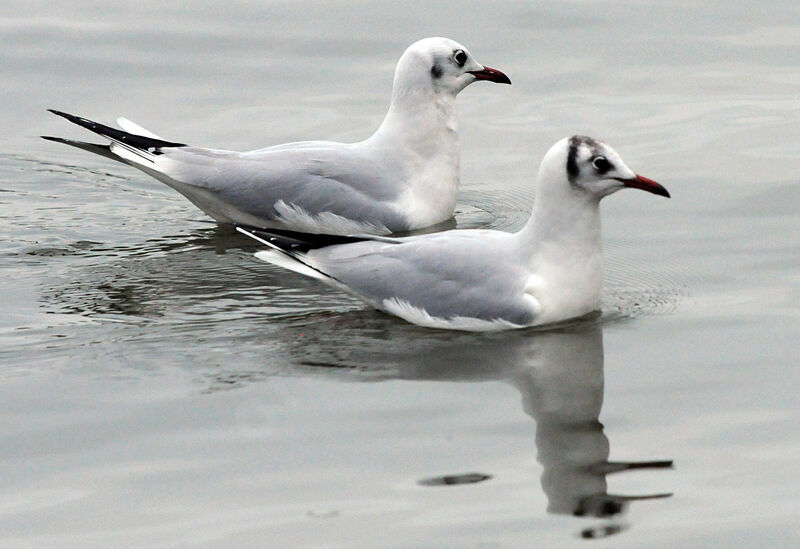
{"points": [[492, 75], [645, 184]]}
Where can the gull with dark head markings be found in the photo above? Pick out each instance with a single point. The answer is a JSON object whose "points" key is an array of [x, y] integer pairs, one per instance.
{"points": [[482, 280], [404, 177]]}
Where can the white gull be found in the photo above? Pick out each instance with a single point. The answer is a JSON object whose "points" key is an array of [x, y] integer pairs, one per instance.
{"points": [[404, 177], [482, 280]]}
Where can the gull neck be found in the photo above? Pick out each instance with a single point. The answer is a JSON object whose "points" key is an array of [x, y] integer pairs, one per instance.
{"points": [[561, 246]]}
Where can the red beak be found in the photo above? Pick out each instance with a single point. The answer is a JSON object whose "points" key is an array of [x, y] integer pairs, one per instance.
{"points": [[645, 184], [493, 75]]}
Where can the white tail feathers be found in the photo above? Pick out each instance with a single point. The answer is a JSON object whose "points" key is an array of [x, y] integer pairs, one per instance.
{"points": [[287, 262], [134, 128]]}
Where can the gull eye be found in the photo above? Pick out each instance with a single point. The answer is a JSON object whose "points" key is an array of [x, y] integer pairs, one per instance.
{"points": [[601, 164], [460, 57]]}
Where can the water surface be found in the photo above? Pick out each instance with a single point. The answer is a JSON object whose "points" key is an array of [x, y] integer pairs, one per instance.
{"points": [[162, 387]]}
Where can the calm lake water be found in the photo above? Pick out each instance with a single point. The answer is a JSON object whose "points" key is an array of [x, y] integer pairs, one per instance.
{"points": [[160, 387]]}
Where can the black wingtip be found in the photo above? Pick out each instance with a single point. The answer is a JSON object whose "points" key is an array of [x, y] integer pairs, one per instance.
{"points": [[96, 148], [137, 141], [70, 117], [80, 121], [297, 241]]}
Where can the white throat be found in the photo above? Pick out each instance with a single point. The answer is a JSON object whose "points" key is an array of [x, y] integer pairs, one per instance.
{"points": [[416, 113], [419, 136]]}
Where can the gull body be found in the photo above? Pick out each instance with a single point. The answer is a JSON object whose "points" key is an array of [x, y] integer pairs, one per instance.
{"points": [[404, 177], [480, 280]]}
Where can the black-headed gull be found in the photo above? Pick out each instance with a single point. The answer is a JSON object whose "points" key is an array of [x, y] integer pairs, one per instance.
{"points": [[404, 177], [481, 280]]}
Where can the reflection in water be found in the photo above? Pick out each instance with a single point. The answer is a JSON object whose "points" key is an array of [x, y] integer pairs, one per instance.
{"points": [[183, 283], [559, 374], [449, 480], [564, 394], [179, 279]]}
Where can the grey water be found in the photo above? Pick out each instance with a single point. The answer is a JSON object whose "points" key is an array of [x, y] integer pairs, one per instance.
{"points": [[160, 387]]}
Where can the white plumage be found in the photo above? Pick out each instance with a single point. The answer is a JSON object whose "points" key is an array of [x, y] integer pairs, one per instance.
{"points": [[483, 280], [404, 177]]}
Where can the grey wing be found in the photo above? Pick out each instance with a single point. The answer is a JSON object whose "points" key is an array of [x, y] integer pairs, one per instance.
{"points": [[295, 185], [451, 275]]}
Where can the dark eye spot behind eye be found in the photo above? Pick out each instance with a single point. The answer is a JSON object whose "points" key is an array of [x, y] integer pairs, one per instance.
{"points": [[436, 70], [460, 57]]}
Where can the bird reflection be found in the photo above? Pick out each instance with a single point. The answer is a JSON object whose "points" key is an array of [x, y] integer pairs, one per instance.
{"points": [[564, 394], [559, 374]]}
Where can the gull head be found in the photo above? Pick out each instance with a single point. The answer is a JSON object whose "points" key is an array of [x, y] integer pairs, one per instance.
{"points": [[592, 167], [442, 65]]}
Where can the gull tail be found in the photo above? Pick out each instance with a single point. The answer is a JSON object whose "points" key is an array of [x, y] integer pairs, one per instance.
{"points": [[139, 148]]}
